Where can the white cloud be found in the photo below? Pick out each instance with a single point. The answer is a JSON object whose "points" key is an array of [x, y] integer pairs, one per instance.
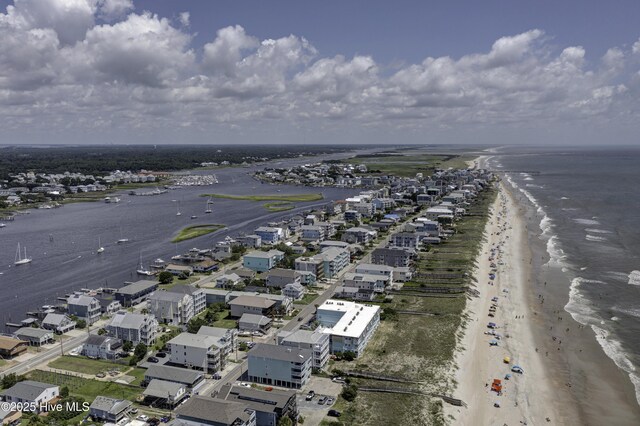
{"points": [[60, 71]]}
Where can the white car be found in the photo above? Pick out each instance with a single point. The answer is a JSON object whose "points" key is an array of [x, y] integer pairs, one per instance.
{"points": [[143, 417], [245, 385]]}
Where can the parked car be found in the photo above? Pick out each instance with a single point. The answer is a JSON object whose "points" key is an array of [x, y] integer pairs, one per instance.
{"points": [[310, 395], [334, 413], [154, 421], [330, 401], [143, 417], [245, 385], [161, 355], [133, 411], [322, 400], [152, 359]]}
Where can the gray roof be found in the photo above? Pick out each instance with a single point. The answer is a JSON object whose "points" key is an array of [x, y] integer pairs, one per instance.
{"points": [[110, 405], [32, 332], [294, 286], [212, 410], [81, 300], [184, 289], [259, 400], [55, 319], [138, 286], [97, 340], [128, 320], [194, 340], [280, 272], [302, 336], [217, 332], [173, 374], [167, 296], [27, 390], [254, 301], [162, 389], [254, 319], [282, 353]]}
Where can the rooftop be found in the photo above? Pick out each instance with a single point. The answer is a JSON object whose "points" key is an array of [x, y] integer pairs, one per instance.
{"points": [[128, 320], [173, 374], [167, 296], [258, 302], [32, 332], [282, 353], [8, 343], [110, 405], [194, 340], [27, 390], [256, 399], [355, 317], [255, 319], [138, 286], [162, 389], [213, 411]]}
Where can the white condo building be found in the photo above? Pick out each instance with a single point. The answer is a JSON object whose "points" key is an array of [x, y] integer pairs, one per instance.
{"points": [[350, 325]]}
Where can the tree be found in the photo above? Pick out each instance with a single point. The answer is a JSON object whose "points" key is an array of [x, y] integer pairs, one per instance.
{"points": [[348, 356], [165, 277], [349, 393], [64, 392], [127, 346], [195, 323], [140, 350], [9, 380], [243, 346], [285, 421], [81, 324]]}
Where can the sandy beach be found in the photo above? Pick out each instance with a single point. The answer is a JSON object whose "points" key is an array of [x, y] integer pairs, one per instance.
{"points": [[528, 398]]}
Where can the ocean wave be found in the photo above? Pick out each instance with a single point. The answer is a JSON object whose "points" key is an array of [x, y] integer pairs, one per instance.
{"points": [[614, 350], [528, 178], [597, 231], [531, 185], [627, 311], [569, 209], [556, 254], [564, 198], [525, 175], [634, 278], [586, 221], [594, 238], [546, 225], [616, 319], [578, 305]]}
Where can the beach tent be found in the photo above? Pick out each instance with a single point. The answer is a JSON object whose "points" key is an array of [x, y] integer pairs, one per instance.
{"points": [[496, 386], [493, 343], [507, 360], [517, 369]]}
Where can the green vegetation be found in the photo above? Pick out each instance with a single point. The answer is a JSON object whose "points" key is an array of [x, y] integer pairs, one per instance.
{"points": [[278, 206], [86, 388], [84, 365], [214, 316], [138, 373], [408, 165], [165, 277], [277, 197], [420, 347], [196, 231], [306, 299]]}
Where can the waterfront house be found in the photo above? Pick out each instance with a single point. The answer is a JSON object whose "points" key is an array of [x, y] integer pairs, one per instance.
{"points": [[350, 325], [137, 292], [196, 294], [354, 293], [402, 274], [261, 261], [134, 328], [280, 277], [171, 308], [179, 269], [108, 409], [108, 306], [161, 393], [252, 241], [203, 266], [84, 307], [10, 347], [204, 411], [310, 265], [269, 235], [190, 378], [376, 283], [246, 274], [352, 216], [31, 394], [102, 347], [270, 406], [282, 366], [35, 336], [315, 341], [58, 323], [216, 296], [251, 322], [251, 305], [295, 291], [334, 260], [196, 351], [381, 270], [405, 239]]}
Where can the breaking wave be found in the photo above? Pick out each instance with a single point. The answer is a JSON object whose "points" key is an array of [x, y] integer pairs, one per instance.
{"points": [[594, 238], [597, 231], [587, 221], [634, 278]]}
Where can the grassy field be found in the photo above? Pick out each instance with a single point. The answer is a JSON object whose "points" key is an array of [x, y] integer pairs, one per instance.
{"points": [[277, 197], [85, 365], [224, 321], [278, 206], [306, 299], [415, 347], [196, 231], [87, 388], [138, 373]]}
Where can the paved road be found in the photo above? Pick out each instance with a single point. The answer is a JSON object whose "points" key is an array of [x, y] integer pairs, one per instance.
{"points": [[45, 356]]}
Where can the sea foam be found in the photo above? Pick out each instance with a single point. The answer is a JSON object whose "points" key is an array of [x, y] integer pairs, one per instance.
{"points": [[594, 238], [634, 278], [586, 221], [597, 231]]}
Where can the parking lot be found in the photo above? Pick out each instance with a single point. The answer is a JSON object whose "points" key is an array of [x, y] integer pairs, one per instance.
{"points": [[313, 412]]}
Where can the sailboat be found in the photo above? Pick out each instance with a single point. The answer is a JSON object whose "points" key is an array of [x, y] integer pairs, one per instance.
{"points": [[19, 259], [142, 270], [209, 202], [178, 214], [100, 248], [122, 240]]}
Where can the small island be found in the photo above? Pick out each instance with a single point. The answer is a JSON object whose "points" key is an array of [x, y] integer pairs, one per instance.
{"points": [[196, 231]]}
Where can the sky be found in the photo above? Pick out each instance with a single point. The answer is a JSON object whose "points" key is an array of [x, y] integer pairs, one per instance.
{"points": [[302, 72]]}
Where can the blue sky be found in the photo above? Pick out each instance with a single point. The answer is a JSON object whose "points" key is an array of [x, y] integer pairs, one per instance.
{"points": [[167, 71]]}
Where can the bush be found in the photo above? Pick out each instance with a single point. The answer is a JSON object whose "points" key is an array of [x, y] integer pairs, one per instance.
{"points": [[349, 393], [81, 324], [64, 392], [348, 356], [127, 346]]}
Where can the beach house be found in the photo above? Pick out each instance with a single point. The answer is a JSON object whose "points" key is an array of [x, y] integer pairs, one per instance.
{"points": [[350, 325], [135, 328], [137, 292], [315, 341], [102, 347], [84, 307], [198, 351], [260, 261], [171, 308], [281, 366]]}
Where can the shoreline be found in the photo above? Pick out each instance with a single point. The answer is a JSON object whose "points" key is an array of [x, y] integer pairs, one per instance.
{"points": [[569, 379]]}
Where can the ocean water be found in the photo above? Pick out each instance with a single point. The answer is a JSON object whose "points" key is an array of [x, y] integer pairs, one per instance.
{"points": [[588, 207]]}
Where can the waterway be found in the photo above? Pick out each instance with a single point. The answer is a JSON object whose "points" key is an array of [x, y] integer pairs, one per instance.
{"points": [[63, 241]]}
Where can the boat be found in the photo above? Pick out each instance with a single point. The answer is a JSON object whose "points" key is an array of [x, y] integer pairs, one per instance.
{"points": [[158, 264], [123, 240], [194, 217], [19, 260], [142, 270], [111, 200], [3, 225], [178, 213], [209, 202], [100, 248]]}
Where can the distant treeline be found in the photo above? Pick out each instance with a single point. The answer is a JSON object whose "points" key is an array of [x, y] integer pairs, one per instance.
{"points": [[99, 160]]}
